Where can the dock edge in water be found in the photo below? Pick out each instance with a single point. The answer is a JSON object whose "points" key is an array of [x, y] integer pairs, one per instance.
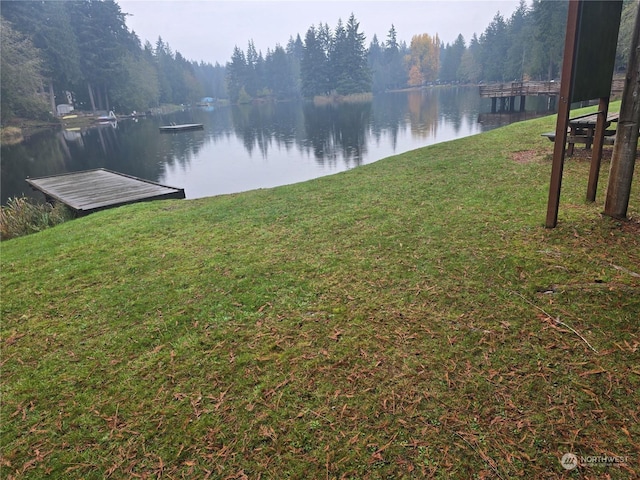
{"points": [[182, 127]]}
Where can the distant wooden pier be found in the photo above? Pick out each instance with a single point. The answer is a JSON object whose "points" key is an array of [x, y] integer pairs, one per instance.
{"points": [[92, 190], [508, 92]]}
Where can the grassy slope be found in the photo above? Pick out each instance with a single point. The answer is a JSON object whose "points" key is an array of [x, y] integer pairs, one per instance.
{"points": [[393, 321]]}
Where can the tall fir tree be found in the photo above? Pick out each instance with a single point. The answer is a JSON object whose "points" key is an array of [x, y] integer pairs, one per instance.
{"points": [[549, 24], [314, 72], [494, 45], [519, 42], [356, 76], [450, 60], [237, 74], [394, 53]]}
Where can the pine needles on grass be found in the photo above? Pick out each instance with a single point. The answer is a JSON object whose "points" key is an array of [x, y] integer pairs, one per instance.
{"points": [[407, 319]]}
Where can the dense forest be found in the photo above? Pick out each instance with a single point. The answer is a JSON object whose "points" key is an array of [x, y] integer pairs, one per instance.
{"points": [[96, 63]]}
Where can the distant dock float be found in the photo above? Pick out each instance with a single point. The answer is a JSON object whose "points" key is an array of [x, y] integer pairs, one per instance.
{"points": [[92, 190], [182, 128]]}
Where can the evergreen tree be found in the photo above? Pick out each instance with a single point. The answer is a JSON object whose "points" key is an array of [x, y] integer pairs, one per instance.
{"points": [[48, 25], [451, 59], [339, 59], [87, 49], [519, 34], [279, 75], [163, 58], [186, 88], [494, 45], [549, 25], [138, 86], [237, 74], [295, 52], [20, 76], [394, 53], [355, 77], [375, 59], [391, 43], [470, 70], [103, 40], [335, 62], [314, 73], [252, 82], [212, 79], [325, 38]]}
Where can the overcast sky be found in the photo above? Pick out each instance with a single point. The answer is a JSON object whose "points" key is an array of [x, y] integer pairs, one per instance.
{"points": [[208, 30]]}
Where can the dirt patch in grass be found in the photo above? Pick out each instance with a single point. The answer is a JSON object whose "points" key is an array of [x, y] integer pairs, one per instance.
{"points": [[527, 156], [579, 154]]}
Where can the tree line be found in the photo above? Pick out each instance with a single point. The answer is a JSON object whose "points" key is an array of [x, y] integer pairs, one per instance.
{"points": [[528, 45], [82, 52], [95, 62]]}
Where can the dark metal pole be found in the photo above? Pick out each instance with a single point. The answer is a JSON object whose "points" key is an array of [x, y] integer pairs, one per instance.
{"points": [[626, 144], [564, 106]]}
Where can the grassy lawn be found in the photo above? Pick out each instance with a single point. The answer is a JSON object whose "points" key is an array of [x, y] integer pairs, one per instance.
{"points": [[407, 319]]}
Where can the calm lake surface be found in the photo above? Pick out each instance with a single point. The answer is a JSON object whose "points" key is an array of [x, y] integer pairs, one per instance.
{"points": [[257, 146]]}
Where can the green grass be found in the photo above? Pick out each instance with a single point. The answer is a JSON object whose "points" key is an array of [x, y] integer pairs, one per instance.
{"points": [[400, 320]]}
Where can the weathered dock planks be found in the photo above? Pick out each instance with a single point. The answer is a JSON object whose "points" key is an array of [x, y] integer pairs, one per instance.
{"points": [[92, 190]]}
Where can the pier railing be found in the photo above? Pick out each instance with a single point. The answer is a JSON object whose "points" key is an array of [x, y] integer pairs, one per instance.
{"points": [[531, 89], [518, 89]]}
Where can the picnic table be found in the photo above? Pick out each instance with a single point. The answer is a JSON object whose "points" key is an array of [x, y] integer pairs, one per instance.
{"points": [[582, 130]]}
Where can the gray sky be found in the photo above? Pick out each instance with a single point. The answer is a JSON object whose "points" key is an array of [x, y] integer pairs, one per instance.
{"points": [[208, 30]]}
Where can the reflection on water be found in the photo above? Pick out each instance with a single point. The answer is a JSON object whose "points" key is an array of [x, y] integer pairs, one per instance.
{"points": [[337, 133], [254, 146]]}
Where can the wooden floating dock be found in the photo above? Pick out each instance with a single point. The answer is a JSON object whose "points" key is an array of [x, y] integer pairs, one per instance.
{"points": [[92, 190], [182, 128]]}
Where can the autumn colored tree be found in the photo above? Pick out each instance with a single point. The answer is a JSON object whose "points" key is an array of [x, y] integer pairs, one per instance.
{"points": [[423, 59]]}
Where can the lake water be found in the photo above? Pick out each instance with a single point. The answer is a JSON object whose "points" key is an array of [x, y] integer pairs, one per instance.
{"points": [[257, 146]]}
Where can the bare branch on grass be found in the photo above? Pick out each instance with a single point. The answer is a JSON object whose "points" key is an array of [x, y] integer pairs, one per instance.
{"points": [[625, 270], [557, 321]]}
